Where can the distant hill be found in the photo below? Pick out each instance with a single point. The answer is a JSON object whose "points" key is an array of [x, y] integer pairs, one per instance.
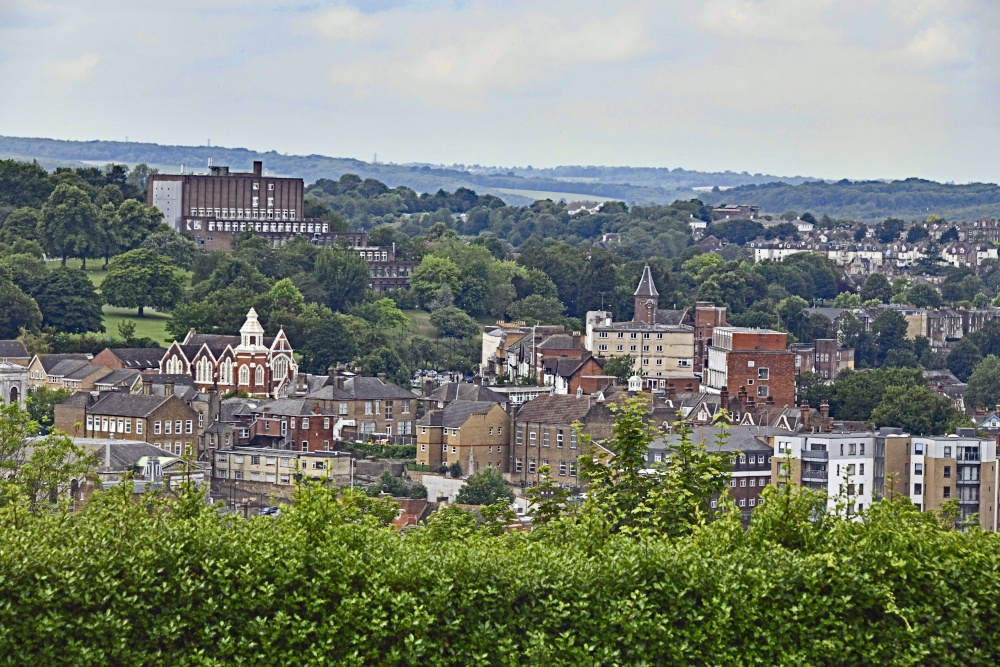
{"points": [[868, 200], [661, 186]]}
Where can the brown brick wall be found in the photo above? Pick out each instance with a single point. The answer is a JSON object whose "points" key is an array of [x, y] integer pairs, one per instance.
{"points": [[781, 375]]}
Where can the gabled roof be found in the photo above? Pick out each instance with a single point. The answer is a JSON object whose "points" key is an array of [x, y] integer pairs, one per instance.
{"points": [[465, 391], [217, 343], [66, 366], [123, 377], [555, 409], [85, 371], [125, 454], [646, 286], [127, 405], [671, 317], [561, 341], [50, 361], [361, 389], [290, 407], [456, 413], [739, 439], [142, 358], [13, 349]]}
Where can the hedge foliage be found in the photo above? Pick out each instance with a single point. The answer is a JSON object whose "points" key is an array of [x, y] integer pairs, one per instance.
{"points": [[173, 582]]}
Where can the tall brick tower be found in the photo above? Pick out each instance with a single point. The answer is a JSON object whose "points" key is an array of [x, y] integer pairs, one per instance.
{"points": [[646, 298]]}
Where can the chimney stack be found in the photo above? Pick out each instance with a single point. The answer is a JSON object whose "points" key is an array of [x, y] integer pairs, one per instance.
{"points": [[804, 409], [258, 168], [381, 376], [168, 388], [824, 410], [339, 381], [724, 398]]}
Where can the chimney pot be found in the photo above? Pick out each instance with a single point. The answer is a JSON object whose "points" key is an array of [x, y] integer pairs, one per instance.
{"points": [[381, 376], [258, 167], [339, 381]]}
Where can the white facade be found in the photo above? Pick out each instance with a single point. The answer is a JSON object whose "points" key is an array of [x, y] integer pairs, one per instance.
{"points": [[167, 198], [840, 464]]}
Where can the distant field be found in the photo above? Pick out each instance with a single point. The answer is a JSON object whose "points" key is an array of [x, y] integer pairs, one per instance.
{"points": [[554, 196], [420, 324], [153, 325]]}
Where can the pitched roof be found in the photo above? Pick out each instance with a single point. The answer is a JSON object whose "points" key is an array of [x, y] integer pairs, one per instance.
{"points": [[360, 389], [465, 391], [739, 439], [127, 405], [12, 349], [291, 407], [561, 341], [50, 361], [671, 317], [456, 413], [78, 399], [143, 358], [125, 454], [555, 409], [122, 377], [646, 286], [216, 342], [84, 371]]}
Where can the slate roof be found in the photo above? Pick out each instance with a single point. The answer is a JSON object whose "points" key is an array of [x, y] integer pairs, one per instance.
{"points": [[216, 342], [455, 414], [123, 377], [465, 391], [646, 286], [291, 407], [142, 358], [563, 367], [361, 389], [85, 371], [50, 361], [561, 341], [124, 453], [555, 409], [78, 399], [741, 439], [671, 317], [13, 349], [64, 367], [127, 405]]}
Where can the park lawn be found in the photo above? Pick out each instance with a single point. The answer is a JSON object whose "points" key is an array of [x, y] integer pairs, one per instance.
{"points": [[153, 325], [96, 272]]}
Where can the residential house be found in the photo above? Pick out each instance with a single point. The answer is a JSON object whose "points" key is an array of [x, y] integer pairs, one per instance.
{"points": [[64, 371], [291, 423], [544, 434], [14, 352], [474, 434], [441, 396], [142, 359], [370, 407]]}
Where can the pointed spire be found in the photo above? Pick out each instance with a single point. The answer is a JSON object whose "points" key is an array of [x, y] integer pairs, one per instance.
{"points": [[646, 286]]}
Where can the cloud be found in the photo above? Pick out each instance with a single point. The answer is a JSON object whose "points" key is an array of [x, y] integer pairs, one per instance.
{"points": [[458, 57], [936, 45], [345, 24], [73, 71]]}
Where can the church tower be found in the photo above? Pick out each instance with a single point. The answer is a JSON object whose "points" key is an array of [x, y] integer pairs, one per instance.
{"points": [[646, 298]]}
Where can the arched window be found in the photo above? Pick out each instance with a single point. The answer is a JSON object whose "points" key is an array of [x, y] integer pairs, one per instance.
{"points": [[226, 372], [203, 372], [244, 375], [280, 367], [259, 376]]}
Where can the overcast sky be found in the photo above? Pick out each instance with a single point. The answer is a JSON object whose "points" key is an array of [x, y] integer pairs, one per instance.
{"points": [[827, 88]]}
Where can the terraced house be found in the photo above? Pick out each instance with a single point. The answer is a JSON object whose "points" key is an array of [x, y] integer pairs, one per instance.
{"points": [[474, 434], [370, 407]]}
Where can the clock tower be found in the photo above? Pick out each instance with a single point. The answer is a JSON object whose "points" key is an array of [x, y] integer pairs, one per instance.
{"points": [[646, 298]]}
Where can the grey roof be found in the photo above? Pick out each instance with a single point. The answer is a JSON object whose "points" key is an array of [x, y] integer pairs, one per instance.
{"points": [[121, 377], [158, 379], [465, 391], [13, 349], [64, 367], [85, 371], [217, 343], [79, 399], [740, 439], [125, 454], [142, 358], [555, 409], [671, 317], [291, 407], [361, 388], [561, 341], [50, 361], [455, 414], [646, 286], [126, 405]]}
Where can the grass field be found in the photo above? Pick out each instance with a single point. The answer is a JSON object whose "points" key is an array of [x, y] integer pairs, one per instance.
{"points": [[554, 196], [420, 324], [152, 325]]}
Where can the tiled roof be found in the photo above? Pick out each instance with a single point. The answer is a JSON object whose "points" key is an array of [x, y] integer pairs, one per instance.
{"points": [[12, 349], [127, 405], [465, 391], [78, 399], [555, 409], [646, 286], [561, 342], [740, 439], [85, 371], [142, 358], [456, 413], [125, 454], [671, 317], [66, 366], [291, 407], [50, 361], [121, 377], [361, 389]]}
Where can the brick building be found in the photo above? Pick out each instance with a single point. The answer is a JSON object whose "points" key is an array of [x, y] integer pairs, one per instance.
{"points": [[824, 356], [751, 360], [543, 434], [707, 316], [291, 423], [142, 359], [474, 434], [369, 406], [164, 421]]}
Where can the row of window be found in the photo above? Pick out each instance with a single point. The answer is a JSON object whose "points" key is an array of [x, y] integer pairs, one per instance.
{"points": [[169, 426], [546, 437], [121, 425], [240, 213], [178, 448], [750, 481], [254, 460], [743, 502], [255, 476], [564, 468], [375, 407], [621, 334]]}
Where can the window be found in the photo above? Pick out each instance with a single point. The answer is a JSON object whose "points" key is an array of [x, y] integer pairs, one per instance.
{"points": [[918, 448], [167, 427], [559, 438], [743, 458], [188, 427], [572, 468], [255, 477], [532, 437], [237, 474], [269, 478], [259, 376], [405, 407], [343, 408], [861, 469], [423, 448], [221, 473], [138, 427], [270, 460], [369, 408], [751, 502], [947, 472], [545, 437], [319, 465], [743, 502], [743, 481], [947, 491], [753, 481], [284, 479], [572, 439], [947, 452], [518, 464], [732, 483], [861, 447], [255, 460], [531, 465], [454, 449], [244, 375], [285, 463], [918, 489], [305, 423], [305, 445], [762, 391], [562, 468], [852, 449], [714, 503], [918, 468]]}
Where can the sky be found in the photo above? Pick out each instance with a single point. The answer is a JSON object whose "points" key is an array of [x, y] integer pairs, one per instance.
{"points": [[827, 88]]}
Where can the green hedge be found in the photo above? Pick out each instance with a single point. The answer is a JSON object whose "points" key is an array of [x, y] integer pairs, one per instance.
{"points": [[177, 583]]}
